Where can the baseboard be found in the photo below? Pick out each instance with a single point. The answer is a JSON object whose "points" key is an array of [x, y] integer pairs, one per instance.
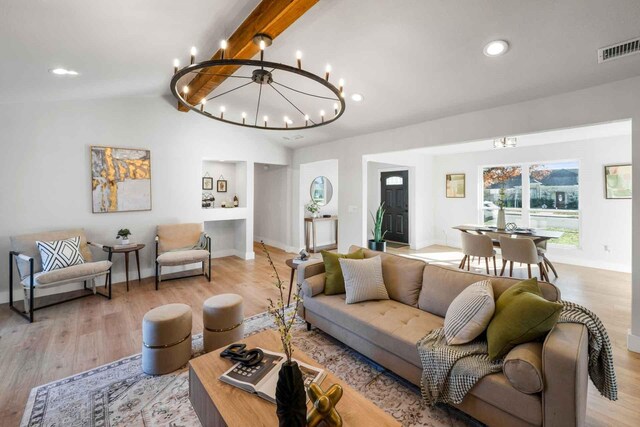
{"points": [[275, 244], [423, 244], [633, 342], [225, 253]]}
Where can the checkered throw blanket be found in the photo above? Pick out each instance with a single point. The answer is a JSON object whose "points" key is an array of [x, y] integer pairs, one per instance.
{"points": [[450, 371]]}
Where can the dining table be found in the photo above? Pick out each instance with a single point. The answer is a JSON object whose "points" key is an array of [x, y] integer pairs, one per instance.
{"points": [[539, 236]]}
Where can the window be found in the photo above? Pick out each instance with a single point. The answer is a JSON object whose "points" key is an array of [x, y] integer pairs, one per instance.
{"points": [[548, 198], [394, 180], [502, 186]]}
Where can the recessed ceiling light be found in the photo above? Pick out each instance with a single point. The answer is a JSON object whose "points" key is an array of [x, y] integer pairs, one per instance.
{"points": [[496, 48], [357, 97], [63, 72]]}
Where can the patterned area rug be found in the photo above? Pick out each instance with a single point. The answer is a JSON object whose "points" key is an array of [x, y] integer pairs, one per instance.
{"points": [[120, 394]]}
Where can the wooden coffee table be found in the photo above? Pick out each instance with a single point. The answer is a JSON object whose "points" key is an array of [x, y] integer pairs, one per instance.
{"points": [[221, 404]]}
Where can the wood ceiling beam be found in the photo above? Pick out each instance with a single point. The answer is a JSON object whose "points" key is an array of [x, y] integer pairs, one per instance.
{"points": [[270, 17]]}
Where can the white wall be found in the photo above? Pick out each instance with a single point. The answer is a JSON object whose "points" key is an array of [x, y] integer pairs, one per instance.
{"points": [[600, 104], [44, 168], [308, 172], [603, 222], [272, 205]]}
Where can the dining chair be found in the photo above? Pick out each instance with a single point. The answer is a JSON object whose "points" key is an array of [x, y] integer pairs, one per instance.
{"points": [[542, 251], [524, 251], [477, 245]]}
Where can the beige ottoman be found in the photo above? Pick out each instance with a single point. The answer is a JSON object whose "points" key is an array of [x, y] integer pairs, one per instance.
{"points": [[222, 316], [166, 338]]}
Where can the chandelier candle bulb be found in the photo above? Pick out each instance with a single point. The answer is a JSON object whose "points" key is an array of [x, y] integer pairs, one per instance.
{"points": [[286, 121], [193, 54], [223, 47], [265, 118], [204, 101], [244, 117], [341, 85], [306, 120], [176, 65], [185, 91], [327, 71], [322, 115], [299, 59], [335, 108], [222, 110]]}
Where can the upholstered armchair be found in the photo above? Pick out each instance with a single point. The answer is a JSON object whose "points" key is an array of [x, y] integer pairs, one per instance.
{"points": [[182, 244], [28, 261]]}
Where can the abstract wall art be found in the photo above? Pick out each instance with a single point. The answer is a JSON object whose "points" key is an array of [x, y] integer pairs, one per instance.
{"points": [[120, 179]]}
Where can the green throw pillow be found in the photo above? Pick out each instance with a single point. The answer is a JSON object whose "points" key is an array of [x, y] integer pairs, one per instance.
{"points": [[333, 279], [521, 315]]}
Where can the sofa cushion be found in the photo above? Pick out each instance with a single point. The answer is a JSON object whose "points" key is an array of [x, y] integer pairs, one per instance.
{"points": [[69, 274], [363, 280], [402, 275], [523, 367], [440, 285], [522, 315], [58, 254], [469, 313], [388, 324], [334, 281], [183, 257]]}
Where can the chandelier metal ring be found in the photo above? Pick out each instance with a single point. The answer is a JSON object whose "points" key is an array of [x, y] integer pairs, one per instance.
{"points": [[264, 78]]}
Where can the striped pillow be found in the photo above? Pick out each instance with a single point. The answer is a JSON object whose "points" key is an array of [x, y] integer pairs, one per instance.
{"points": [[469, 313], [363, 279], [60, 253]]}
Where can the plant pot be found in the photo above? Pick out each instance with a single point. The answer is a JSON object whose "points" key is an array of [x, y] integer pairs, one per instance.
{"points": [[501, 222], [291, 399], [125, 241], [378, 246]]}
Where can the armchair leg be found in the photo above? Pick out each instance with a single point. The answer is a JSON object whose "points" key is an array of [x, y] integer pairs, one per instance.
{"points": [[110, 283], [156, 275], [209, 276], [31, 301], [308, 326]]}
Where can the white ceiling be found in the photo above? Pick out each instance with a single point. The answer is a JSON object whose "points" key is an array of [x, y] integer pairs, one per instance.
{"points": [[413, 60]]}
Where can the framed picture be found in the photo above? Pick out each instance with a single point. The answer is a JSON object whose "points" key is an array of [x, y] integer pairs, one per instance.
{"points": [[455, 185], [120, 179], [617, 181], [222, 186], [207, 183]]}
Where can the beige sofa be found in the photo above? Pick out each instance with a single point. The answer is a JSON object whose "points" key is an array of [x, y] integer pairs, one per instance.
{"points": [[387, 331]]}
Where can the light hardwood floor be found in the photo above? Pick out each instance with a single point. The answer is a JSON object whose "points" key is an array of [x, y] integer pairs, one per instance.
{"points": [[80, 335]]}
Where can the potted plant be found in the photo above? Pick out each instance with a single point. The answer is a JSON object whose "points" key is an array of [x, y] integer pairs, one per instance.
{"points": [[124, 234], [291, 399], [313, 208], [378, 243]]}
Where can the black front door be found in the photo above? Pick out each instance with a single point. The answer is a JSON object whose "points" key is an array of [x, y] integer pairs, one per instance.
{"points": [[395, 195]]}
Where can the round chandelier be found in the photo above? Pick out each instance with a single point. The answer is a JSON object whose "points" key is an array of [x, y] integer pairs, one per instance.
{"points": [[261, 94]]}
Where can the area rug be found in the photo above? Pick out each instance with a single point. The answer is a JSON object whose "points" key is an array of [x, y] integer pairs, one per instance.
{"points": [[120, 394]]}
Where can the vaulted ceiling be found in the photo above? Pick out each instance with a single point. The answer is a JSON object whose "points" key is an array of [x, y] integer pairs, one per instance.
{"points": [[413, 60]]}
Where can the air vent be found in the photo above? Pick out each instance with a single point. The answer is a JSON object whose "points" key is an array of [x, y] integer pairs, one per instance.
{"points": [[619, 50], [293, 138]]}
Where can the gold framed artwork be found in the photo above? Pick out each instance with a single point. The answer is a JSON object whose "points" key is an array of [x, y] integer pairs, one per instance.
{"points": [[617, 181], [455, 185], [222, 185], [120, 179]]}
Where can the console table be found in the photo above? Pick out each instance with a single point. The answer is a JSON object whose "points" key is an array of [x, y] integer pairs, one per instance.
{"points": [[310, 234]]}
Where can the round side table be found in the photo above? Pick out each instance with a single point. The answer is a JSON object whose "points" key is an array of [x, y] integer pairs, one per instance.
{"points": [[126, 252]]}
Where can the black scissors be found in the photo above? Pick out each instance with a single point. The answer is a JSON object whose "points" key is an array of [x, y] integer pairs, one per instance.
{"points": [[238, 353]]}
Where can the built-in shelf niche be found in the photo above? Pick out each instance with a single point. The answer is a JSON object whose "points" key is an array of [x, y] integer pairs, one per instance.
{"points": [[235, 173]]}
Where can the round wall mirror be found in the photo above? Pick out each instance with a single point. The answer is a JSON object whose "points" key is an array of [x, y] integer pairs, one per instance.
{"points": [[321, 190]]}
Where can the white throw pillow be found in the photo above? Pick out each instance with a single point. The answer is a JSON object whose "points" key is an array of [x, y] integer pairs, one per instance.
{"points": [[60, 253], [469, 313], [363, 279]]}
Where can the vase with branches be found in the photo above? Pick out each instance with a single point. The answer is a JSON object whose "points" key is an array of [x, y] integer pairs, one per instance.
{"points": [[290, 392], [313, 208], [378, 243]]}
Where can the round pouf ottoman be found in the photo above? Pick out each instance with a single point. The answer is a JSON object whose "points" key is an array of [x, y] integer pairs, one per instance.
{"points": [[222, 316], [166, 338]]}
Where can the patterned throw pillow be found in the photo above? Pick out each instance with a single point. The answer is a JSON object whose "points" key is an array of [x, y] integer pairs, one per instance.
{"points": [[363, 279], [469, 313], [60, 253]]}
